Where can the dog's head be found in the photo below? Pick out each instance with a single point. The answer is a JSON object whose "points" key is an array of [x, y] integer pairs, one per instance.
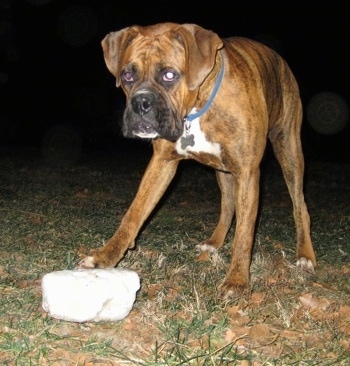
{"points": [[160, 69]]}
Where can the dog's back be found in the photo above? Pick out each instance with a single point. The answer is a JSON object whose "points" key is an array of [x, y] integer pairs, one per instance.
{"points": [[263, 68]]}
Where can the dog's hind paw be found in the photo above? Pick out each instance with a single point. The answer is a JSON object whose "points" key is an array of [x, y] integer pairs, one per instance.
{"points": [[203, 251], [306, 265], [229, 291], [200, 248], [86, 263]]}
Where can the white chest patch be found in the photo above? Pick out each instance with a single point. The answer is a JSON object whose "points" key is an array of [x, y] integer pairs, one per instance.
{"points": [[193, 140]]}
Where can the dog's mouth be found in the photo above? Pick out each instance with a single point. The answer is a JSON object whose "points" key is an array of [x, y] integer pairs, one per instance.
{"points": [[145, 130]]}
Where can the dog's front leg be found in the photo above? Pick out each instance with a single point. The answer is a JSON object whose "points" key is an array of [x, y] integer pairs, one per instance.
{"points": [[227, 187], [246, 198], [155, 181]]}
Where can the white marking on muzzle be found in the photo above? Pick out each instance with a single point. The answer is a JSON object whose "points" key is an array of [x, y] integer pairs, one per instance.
{"points": [[145, 135]]}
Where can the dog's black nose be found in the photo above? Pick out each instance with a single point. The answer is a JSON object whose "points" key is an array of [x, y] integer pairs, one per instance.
{"points": [[142, 103]]}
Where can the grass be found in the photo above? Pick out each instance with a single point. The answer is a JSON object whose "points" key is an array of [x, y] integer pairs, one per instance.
{"points": [[50, 214]]}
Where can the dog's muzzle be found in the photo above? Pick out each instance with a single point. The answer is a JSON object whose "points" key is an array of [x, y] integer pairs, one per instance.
{"points": [[140, 118], [149, 115]]}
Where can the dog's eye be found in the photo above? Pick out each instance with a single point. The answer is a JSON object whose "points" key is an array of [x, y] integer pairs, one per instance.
{"points": [[127, 76], [169, 76]]}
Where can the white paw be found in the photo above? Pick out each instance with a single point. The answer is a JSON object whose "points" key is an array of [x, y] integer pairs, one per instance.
{"points": [[201, 248], [87, 262], [305, 265]]}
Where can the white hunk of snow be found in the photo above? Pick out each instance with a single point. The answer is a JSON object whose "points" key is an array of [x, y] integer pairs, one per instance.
{"points": [[84, 295]]}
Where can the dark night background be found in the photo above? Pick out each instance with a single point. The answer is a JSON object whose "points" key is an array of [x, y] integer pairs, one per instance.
{"points": [[52, 71]]}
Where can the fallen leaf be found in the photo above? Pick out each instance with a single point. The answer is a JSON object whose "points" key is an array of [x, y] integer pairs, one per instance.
{"points": [[3, 273], [239, 317], [230, 335], [245, 363], [257, 298], [290, 334], [24, 283], [202, 257], [153, 289], [345, 328], [130, 325], [147, 253], [36, 219], [271, 281], [344, 311], [324, 285], [172, 295], [308, 302], [182, 315], [63, 329], [278, 246], [28, 240], [239, 330], [259, 332], [317, 314], [82, 194], [345, 344], [233, 310]]}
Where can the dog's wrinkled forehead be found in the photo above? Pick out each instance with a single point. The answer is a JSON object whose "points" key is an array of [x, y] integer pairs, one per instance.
{"points": [[148, 51], [187, 48]]}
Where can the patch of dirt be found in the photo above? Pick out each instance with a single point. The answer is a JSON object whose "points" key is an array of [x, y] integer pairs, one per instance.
{"points": [[53, 215]]}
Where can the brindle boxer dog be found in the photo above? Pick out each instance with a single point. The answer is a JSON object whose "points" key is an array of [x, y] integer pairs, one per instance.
{"points": [[216, 101]]}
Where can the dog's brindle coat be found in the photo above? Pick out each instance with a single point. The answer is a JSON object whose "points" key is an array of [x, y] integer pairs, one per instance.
{"points": [[168, 71]]}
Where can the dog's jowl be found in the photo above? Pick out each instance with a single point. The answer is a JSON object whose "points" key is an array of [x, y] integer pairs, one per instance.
{"points": [[217, 101]]}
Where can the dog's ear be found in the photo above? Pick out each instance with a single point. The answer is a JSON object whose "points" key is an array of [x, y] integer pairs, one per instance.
{"points": [[201, 46], [114, 45]]}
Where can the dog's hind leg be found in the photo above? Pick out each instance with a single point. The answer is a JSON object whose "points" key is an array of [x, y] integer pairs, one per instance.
{"points": [[285, 139]]}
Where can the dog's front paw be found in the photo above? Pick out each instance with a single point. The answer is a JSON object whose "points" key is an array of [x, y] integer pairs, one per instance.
{"points": [[99, 258], [305, 265], [87, 263]]}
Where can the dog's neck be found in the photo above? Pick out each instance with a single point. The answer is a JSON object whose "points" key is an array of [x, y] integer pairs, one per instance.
{"points": [[209, 100]]}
